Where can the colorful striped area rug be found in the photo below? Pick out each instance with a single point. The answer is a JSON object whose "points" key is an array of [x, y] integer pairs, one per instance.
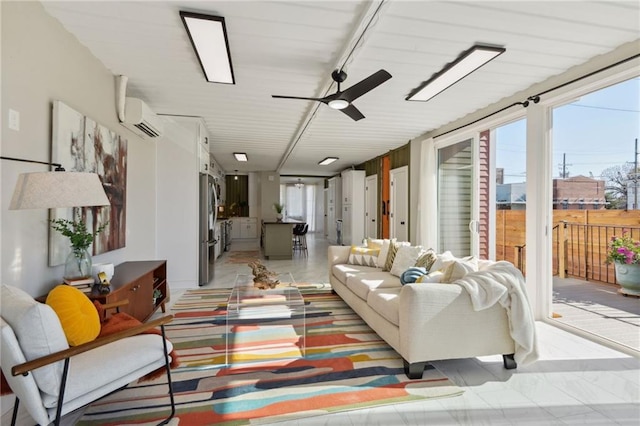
{"points": [[346, 366]]}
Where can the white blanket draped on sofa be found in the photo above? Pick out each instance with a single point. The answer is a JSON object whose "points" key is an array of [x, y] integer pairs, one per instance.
{"points": [[498, 285]]}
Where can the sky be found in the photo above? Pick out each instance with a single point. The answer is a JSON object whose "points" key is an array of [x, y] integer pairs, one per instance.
{"points": [[595, 132]]}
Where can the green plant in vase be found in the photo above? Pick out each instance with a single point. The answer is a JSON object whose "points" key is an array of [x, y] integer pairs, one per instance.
{"points": [[279, 209], [78, 264], [624, 253]]}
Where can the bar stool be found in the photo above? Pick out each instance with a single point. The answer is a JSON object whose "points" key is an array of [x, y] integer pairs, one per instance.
{"points": [[300, 237]]}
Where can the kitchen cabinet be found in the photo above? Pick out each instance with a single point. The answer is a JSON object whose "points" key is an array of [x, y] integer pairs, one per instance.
{"points": [[244, 227]]}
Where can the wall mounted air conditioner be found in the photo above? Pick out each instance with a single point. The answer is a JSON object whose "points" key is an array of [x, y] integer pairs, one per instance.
{"points": [[139, 118]]}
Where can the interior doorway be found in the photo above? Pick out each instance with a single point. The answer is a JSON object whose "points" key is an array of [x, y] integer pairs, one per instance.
{"points": [[384, 202], [371, 206]]}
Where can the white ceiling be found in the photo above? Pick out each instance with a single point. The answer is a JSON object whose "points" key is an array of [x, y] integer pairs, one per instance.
{"points": [[291, 47]]}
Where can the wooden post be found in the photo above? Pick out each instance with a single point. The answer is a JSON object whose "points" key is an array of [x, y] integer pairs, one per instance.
{"points": [[561, 249]]}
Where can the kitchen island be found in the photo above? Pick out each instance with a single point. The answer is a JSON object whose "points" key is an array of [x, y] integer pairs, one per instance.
{"points": [[277, 240]]}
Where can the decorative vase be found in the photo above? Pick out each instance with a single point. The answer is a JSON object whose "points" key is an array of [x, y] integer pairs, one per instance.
{"points": [[78, 264], [279, 217], [628, 276]]}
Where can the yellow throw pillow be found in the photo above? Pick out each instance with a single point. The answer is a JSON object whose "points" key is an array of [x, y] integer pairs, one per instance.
{"points": [[363, 256], [78, 316], [374, 243]]}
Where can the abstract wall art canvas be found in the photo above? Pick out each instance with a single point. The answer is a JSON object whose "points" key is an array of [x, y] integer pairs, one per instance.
{"points": [[82, 145]]}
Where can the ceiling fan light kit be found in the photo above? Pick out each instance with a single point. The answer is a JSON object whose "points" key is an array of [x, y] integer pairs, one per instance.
{"points": [[338, 104], [469, 61], [208, 36], [342, 100], [328, 161]]}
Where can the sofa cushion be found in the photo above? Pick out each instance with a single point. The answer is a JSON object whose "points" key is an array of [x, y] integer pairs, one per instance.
{"points": [[386, 302], [38, 331], [406, 257], [363, 256], [362, 283], [342, 272]]}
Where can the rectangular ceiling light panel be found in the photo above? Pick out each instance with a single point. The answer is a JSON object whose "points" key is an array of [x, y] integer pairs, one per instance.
{"points": [[328, 161], [240, 156], [465, 64], [208, 35]]}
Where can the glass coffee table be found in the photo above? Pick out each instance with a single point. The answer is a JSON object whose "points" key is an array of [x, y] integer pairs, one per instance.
{"points": [[263, 325]]}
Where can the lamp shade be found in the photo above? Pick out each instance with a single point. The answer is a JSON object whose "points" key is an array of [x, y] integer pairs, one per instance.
{"points": [[45, 190]]}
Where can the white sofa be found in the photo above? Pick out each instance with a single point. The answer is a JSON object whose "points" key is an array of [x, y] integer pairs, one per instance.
{"points": [[426, 322]]}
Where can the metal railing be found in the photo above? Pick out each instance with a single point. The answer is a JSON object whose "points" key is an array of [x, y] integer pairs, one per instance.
{"points": [[582, 250]]}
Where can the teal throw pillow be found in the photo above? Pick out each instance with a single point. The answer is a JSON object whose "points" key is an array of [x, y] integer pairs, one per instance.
{"points": [[412, 274]]}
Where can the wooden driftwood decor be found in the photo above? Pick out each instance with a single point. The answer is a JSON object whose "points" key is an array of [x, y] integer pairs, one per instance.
{"points": [[262, 277]]}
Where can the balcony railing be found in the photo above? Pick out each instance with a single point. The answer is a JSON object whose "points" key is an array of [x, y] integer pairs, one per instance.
{"points": [[580, 240], [582, 250]]}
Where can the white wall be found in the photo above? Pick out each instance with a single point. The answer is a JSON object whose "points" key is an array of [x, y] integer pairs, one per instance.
{"points": [[42, 62], [269, 194], [177, 180]]}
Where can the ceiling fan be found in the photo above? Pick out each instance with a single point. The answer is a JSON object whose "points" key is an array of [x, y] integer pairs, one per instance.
{"points": [[343, 100]]}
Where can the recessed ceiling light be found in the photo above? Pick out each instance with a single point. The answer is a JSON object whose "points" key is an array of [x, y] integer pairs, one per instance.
{"points": [[241, 156], [208, 35], [469, 61], [328, 161]]}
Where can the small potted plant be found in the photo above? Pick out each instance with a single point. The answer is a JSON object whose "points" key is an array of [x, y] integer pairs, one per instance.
{"points": [[78, 264], [279, 209], [624, 253]]}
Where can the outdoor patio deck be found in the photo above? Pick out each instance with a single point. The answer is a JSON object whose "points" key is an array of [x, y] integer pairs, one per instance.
{"points": [[599, 309]]}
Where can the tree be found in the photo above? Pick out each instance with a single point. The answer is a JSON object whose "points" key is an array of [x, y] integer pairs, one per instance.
{"points": [[615, 189]]}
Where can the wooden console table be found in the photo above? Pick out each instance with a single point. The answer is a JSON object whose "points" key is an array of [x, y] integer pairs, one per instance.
{"points": [[136, 282]]}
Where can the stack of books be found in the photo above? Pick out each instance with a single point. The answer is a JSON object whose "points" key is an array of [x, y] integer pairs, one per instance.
{"points": [[85, 285]]}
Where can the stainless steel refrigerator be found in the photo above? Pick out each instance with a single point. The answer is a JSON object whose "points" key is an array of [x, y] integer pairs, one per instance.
{"points": [[208, 218]]}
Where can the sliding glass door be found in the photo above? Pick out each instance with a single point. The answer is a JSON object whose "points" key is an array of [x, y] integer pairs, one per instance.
{"points": [[457, 194]]}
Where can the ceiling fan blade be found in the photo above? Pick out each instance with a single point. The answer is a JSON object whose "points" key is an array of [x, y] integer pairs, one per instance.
{"points": [[364, 86], [353, 112], [298, 97]]}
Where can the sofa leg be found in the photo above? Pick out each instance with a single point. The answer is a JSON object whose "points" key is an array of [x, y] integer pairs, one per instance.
{"points": [[414, 370], [509, 362]]}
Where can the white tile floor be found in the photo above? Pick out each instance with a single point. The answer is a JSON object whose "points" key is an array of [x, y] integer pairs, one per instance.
{"points": [[576, 381]]}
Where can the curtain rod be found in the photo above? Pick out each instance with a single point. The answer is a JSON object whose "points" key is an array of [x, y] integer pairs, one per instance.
{"points": [[536, 98]]}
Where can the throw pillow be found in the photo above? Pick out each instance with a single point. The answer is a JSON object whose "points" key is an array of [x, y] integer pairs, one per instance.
{"points": [[38, 330], [442, 261], [77, 314], [384, 252], [411, 275], [363, 256], [459, 268], [405, 258], [431, 277], [391, 256], [426, 259], [374, 243]]}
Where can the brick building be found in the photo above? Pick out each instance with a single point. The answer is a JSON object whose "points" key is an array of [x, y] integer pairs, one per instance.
{"points": [[578, 193]]}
